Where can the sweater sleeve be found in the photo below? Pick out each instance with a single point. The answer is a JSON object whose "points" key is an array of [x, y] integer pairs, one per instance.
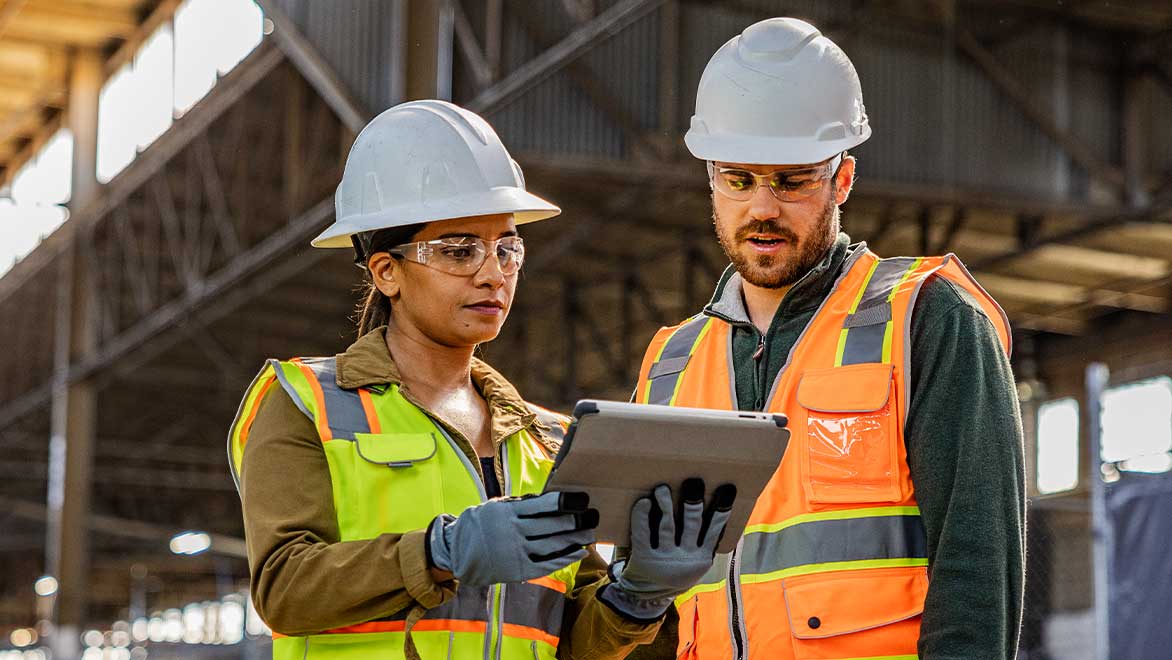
{"points": [[594, 630], [304, 579], [964, 441]]}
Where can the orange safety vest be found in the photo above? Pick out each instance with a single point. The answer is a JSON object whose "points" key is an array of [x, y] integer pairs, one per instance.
{"points": [[833, 562]]}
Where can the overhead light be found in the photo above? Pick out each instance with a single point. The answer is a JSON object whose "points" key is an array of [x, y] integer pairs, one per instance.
{"points": [[190, 543], [22, 637], [46, 585]]}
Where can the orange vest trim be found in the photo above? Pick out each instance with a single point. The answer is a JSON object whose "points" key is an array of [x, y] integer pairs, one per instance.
{"points": [[835, 546]]}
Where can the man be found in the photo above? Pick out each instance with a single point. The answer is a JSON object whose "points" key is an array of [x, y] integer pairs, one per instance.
{"points": [[894, 526]]}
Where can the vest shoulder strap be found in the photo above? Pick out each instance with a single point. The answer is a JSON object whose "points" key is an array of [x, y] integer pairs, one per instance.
{"points": [[895, 283], [336, 412], [667, 357]]}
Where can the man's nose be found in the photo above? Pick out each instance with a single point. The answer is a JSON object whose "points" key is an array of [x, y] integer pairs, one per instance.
{"points": [[763, 205]]}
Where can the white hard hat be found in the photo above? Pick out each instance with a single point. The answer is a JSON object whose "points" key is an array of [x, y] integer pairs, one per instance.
{"points": [[779, 93], [424, 161]]}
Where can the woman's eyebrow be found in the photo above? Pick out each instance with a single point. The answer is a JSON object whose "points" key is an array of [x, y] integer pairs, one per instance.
{"points": [[465, 234]]}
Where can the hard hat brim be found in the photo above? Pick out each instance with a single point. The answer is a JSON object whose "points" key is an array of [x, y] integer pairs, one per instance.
{"points": [[525, 207], [754, 150]]}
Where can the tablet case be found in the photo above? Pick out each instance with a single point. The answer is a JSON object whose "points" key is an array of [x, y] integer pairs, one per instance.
{"points": [[617, 452]]}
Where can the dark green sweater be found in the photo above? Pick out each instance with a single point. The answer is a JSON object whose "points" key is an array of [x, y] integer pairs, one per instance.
{"points": [[964, 444]]}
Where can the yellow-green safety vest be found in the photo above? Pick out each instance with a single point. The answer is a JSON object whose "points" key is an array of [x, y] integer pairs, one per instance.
{"points": [[393, 469]]}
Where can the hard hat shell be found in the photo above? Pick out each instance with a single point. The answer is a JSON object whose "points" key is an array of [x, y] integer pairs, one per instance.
{"points": [[424, 161], [779, 93]]}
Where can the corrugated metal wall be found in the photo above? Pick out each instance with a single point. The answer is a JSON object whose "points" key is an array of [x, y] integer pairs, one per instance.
{"points": [[355, 38], [937, 118]]}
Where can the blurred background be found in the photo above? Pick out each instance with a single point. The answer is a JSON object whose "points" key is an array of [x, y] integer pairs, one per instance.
{"points": [[164, 163]]}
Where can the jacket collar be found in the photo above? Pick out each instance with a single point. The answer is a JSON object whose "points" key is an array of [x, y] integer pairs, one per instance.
{"points": [[728, 301], [368, 363]]}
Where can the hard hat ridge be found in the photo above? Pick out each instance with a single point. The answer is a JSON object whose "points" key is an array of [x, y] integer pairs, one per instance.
{"points": [[778, 93], [425, 161]]}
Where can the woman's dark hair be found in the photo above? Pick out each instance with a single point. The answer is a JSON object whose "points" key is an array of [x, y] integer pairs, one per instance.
{"points": [[375, 308]]}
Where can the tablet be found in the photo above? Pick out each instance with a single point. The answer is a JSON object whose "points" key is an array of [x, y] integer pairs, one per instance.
{"points": [[617, 452]]}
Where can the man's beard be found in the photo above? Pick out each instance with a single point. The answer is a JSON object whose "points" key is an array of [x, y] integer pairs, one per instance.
{"points": [[771, 271]]}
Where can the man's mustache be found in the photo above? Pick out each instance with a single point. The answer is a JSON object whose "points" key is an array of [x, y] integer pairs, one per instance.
{"points": [[766, 227]]}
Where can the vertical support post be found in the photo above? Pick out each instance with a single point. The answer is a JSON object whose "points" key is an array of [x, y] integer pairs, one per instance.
{"points": [[627, 314], [294, 151], [74, 406], [1097, 376], [948, 93], [689, 279], [430, 26], [925, 221], [1133, 138], [1061, 61], [569, 385], [669, 72], [82, 117], [494, 25]]}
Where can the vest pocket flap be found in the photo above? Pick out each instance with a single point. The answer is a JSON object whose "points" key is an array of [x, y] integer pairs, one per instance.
{"points": [[856, 388], [395, 449], [826, 606]]}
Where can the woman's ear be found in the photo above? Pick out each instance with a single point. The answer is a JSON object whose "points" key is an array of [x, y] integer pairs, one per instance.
{"points": [[384, 272]]}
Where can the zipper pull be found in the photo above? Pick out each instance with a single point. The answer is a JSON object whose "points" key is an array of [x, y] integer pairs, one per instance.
{"points": [[760, 349]]}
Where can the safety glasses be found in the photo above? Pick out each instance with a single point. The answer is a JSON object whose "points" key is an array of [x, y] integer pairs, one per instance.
{"points": [[464, 255], [788, 185]]}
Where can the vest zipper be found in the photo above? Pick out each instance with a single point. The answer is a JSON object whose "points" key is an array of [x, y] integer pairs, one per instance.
{"points": [[736, 625], [498, 617]]}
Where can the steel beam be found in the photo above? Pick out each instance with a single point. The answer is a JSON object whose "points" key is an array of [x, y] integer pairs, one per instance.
{"points": [[124, 527], [227, 92], [576, 44], [8, 9], [320, 75], [1161, 214]]}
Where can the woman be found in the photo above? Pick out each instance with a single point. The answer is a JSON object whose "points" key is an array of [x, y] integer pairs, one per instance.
{"points": [[372, 481]]}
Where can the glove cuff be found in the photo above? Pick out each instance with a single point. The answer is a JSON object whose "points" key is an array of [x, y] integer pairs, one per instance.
{"points": [[438, 555], [634, 607]]}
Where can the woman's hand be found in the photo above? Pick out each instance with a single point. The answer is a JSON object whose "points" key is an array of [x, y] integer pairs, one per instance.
{"points": [[672, 547], [513, 539]]}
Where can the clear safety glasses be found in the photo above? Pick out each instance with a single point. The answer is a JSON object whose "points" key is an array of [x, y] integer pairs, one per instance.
{"points": [[464, 255], [788, 185]]}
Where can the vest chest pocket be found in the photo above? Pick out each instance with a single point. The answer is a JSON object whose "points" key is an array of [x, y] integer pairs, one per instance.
{"points": [[852, 442], [394, 481]]}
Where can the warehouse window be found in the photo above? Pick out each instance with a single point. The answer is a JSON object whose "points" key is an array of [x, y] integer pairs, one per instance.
{"points": [[34, 208], [211, 37], [172, 71], [1137, 425], [1057, 457]]}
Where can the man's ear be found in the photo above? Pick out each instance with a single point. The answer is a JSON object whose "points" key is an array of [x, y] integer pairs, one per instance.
{"points": [[844, 180], [384, 272]]}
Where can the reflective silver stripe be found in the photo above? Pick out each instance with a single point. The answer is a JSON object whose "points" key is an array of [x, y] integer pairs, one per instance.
{"points": [[344, 410], [828, 541], [718, 572], [534, 606], [675, 355], [550, 419], [867, 327]]}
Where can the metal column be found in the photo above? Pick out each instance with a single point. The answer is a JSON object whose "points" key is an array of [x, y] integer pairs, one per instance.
{"points": [[1097, 376], [74, 409]]}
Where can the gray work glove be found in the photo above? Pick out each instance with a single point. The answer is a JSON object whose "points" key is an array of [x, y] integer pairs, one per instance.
{"points": [[671, 549], [512, 539]]}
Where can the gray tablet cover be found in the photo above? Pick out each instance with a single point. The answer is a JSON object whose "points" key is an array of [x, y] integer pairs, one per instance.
{"points": [[617, 452]]}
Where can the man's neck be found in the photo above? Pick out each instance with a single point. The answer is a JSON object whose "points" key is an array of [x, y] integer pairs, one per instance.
{"points": [[762, 304], [428, 367]]}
